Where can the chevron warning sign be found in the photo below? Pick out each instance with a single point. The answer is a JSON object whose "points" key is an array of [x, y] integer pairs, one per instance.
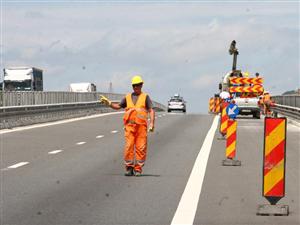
{"points": [[255, 89], [245, 80], [274, 159]]}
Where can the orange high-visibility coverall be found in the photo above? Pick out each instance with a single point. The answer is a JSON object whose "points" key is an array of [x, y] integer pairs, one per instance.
{"points": [[267, 103], [135, 121]]}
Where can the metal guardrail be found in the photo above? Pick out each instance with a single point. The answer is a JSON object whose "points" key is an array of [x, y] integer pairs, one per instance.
{"points": [[26, 108], [39, 97], [33, 98], [288, 105], [288, 100]]}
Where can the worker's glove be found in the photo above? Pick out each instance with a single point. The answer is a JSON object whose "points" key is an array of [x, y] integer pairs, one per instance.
{"points": [[105, 100]]}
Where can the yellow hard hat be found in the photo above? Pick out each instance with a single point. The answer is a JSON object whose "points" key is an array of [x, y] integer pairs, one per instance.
{"points": [[137, 80]]}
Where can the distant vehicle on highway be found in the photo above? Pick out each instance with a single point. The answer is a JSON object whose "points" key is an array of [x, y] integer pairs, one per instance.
{"points": [[176, 103], [22, 79], [82, 87]]}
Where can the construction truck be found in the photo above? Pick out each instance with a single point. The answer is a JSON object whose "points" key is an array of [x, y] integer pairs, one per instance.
{"points": [[244, 90], [22, 79], [82, 87]]}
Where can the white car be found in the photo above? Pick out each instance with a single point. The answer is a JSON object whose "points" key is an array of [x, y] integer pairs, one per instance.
{"points": [[176, 103]]}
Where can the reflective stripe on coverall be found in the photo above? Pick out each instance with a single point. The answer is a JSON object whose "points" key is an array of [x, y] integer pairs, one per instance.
{"points": [[135, 121]]}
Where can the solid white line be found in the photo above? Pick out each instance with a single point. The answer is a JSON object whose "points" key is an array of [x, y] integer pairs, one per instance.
{"points": [[114, 131], [187, 207], [54, 152], [18, 165], [100, 136], [56, 123], [80, 143]]}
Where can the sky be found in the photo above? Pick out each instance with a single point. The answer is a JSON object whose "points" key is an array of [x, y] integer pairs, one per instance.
{"points": [[176, 46]]}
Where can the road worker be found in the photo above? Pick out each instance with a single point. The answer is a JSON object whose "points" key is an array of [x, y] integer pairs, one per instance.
{"points": [[267, 103], [261, 103], [137, 107]]}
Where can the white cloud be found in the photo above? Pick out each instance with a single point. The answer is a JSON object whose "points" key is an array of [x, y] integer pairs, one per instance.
{"points": [[176, 47]]}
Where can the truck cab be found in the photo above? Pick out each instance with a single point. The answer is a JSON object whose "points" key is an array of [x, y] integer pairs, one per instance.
{"points": [[22, 79]]}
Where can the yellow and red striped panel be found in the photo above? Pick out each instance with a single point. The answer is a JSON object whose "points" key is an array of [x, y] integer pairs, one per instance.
{"points": [[211, 105], [255, 89], [245, 80], [231, 139], [274, 159], [217, 105], [224, 121]]}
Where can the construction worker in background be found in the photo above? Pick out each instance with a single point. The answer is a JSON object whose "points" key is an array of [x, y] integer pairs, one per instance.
{"points": [[267, 103], [137, 106], [261, 103]]}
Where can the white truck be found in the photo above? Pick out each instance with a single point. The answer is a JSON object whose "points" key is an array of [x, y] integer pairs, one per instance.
{"points": [[247, 105], [22, 79], [82, 87], [247, 102]]}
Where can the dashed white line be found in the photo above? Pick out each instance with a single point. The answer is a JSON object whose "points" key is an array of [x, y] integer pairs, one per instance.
{"points": [[159, 116], [100, 136], [114, 131], [186, 210], [18, 165], [80, 143], [54, 152]]}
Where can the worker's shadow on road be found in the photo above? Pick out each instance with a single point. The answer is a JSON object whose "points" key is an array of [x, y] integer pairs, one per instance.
{"points": [[149, 175], [142, 175]]}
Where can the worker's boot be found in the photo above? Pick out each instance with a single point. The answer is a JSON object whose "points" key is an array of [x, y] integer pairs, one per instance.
{"points": [[129, 171], [138, 173]]}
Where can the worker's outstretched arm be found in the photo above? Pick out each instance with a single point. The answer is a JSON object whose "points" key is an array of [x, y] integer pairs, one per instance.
{"points": [[115, 106], [152, 120]]}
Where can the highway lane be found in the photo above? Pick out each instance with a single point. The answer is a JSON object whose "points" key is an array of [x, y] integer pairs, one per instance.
{"points": [[230, 195], [84, 184]]}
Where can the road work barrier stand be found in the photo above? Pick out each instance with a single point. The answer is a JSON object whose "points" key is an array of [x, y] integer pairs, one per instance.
{"points": [[223, 124], [273, 188], [217, 107], [232, 111], [211, 105]]}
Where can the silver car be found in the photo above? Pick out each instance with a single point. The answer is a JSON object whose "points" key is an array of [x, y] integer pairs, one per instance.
{"points": [[176, 103]]}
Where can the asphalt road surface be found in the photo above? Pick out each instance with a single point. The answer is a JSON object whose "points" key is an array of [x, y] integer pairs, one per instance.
{"points": [[72, 173]]}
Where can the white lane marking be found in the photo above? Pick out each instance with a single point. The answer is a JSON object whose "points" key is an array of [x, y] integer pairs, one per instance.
{"points": [[100, 136], [187, 207], [4, 131], [18, 165], [54, 152], [80, 143], [164, 114], [159, 116], [114, 131]]}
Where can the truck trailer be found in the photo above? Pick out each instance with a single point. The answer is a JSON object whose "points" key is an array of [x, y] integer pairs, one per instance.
{"points": [[82, 87]]}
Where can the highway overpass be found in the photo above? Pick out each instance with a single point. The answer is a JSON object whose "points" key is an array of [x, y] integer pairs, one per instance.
{"points": [[71, 172]]}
